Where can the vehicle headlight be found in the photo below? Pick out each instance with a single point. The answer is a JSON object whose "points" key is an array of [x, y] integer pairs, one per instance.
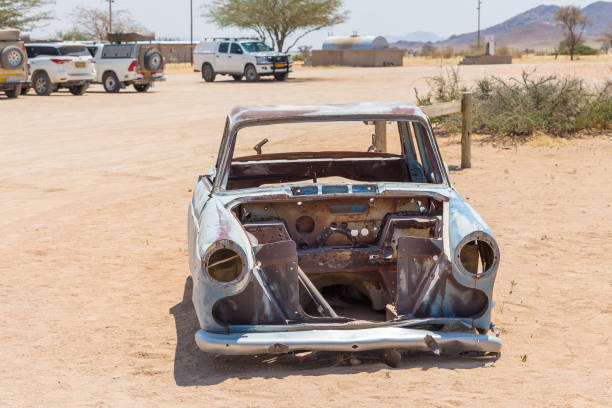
{"points": [[262, 60], [477, 254], [224, 261]]}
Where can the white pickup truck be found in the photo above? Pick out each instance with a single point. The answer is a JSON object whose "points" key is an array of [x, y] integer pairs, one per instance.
{"points": [[121, 64], [239, 57]]}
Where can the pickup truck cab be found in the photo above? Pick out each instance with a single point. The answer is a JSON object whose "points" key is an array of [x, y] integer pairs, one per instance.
{"points": [[123, 63], [60, 65], [239, 57], [13, 63]]}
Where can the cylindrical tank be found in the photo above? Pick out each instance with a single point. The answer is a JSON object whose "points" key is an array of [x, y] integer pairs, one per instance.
{"points": [[356, 42]]}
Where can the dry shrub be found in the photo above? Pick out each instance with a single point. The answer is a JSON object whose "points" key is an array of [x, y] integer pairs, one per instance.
{"points": [[525, 106], [448, 52], [558, 106]]}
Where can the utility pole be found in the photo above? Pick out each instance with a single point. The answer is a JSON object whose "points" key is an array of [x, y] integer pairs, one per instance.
{"points": [[191, 36], [478, 41], [110, 15]]}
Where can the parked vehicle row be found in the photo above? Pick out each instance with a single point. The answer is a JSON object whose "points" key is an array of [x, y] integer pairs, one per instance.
{"points": [[48, 67], [239, 57]]}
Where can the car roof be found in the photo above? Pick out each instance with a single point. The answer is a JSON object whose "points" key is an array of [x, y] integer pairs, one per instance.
{"points": [[394, 110]]}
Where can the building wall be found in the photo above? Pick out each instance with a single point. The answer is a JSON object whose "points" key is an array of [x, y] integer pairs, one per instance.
{"points": [[177, 53], [358, 58]]}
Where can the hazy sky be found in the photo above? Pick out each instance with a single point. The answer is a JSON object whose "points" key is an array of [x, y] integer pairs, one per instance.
{"points": [[390, 17]]}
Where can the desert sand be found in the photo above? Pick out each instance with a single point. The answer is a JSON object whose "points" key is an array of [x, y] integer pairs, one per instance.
{"points": [[95, 296]]}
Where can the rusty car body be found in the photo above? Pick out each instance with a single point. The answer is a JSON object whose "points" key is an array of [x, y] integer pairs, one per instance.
{"points": [[392, 257]]}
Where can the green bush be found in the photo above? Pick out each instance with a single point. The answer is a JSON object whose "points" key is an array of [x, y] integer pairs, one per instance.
{"points": [[521, 107]]}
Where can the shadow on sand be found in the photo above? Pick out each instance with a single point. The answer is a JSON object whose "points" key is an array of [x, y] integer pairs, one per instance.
{"points": [[193, 367]]}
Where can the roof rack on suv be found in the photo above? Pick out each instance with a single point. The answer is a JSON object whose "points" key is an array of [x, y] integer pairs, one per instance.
{"points": [[129, 37]]}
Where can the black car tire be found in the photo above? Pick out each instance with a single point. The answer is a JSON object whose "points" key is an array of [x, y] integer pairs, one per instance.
{"points": [[42, 84], [153, 60], [208, 73], [12, 57], [13, 93], [25, 90], [79, 89], [111, 82], [142, 87], [250, 73], [237, 77], [281, 77]]}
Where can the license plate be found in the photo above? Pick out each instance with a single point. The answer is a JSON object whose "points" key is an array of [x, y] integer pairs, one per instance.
{"points": [[280, 65], [79, 64], [148, 75]]}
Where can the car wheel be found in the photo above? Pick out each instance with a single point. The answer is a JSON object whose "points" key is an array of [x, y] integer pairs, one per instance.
{"points": [[153, 59], [78, 90], [12, 57], [42, 84], [237, 77], [251, 74], [281, 77], [25, 90], [142, 88], [208, 73], [111, 82], [13, 93]]}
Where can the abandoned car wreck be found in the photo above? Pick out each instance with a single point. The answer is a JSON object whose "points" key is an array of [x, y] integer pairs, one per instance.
{"points": [[351, 241]]}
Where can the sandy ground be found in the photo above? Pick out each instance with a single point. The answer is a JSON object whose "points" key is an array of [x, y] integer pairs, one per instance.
{"points": [[95, 300]]}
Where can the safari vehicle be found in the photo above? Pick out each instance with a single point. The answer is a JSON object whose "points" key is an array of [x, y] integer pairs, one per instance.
{"points": [[13, 63], [128, 61], [321, 240], [60, 65], [239, 57]]}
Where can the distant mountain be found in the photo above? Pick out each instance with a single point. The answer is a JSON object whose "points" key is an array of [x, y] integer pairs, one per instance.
{"points": [[417, 36], [536, 28]]}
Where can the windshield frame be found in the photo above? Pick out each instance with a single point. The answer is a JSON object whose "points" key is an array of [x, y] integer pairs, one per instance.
{"points": [[226, 151]]}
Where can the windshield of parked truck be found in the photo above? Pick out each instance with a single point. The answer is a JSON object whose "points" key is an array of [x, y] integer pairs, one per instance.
{"points": [[255, 46]]}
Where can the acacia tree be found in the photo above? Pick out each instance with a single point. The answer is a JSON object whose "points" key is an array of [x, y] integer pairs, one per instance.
{"points": [[606, 39], [94, 22], [573, 22], [23, 14], [277, 19]]}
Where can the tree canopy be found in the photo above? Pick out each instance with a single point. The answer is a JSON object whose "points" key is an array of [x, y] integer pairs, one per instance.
{"points": [[277, 19], [23, 14], [573, 22], [93, 23]]}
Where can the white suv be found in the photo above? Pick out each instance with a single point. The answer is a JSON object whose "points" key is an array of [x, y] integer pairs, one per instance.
{"points": [[239, 57], [121, 64], [60, 65]]}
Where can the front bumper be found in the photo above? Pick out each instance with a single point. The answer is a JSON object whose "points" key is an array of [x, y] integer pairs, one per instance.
{"points": [[270, 69], [346, 340]]}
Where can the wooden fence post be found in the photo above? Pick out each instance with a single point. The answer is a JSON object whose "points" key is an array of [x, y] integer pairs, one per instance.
{"points": [[380, 130], [466, 131]]}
